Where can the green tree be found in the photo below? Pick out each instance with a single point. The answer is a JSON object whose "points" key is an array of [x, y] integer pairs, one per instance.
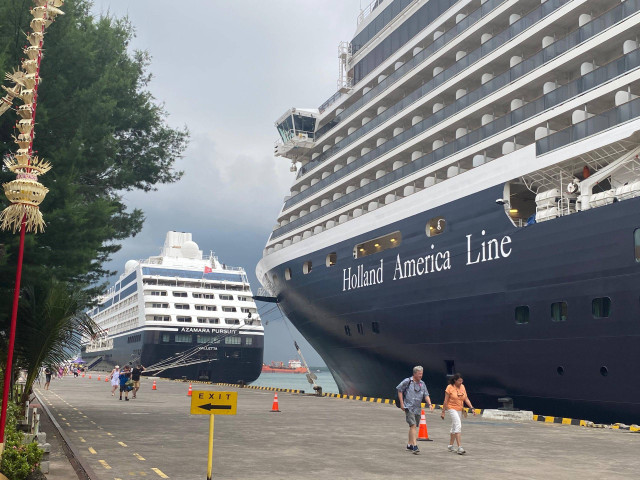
{"points": [[104, 134], [52, 322]]}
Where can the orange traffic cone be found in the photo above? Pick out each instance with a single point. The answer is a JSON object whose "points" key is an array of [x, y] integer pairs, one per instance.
{"points": [[89, 376], [275, 407], [106, 379], [154, 386], [98, 377], [189, 392], [423, 434], [82, 374]]}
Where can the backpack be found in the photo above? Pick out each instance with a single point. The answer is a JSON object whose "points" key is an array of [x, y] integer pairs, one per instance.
{"points": [[404, 392]]}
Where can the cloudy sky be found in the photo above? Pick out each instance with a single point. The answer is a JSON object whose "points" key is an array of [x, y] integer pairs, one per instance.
{"points": [[227, 69]]}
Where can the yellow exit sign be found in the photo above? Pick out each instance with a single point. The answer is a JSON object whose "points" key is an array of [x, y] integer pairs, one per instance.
{"points": [[206, 402]]}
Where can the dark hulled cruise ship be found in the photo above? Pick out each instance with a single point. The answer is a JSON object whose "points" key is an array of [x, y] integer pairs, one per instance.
{"points": [[181, 316], [468, 201]]}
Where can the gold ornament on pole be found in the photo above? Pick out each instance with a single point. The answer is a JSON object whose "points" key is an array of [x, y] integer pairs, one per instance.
{"points": [[25, 192]]}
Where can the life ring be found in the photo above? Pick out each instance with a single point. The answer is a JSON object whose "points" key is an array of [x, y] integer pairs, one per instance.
{"points": [[572, 187]]}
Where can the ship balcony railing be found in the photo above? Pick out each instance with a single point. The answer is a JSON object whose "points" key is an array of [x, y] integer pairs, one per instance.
{"points": [[591, 126], [543, 56], [560, 95], [516, 28]]}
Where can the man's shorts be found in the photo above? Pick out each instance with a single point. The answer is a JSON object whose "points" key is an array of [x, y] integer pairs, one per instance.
{"points": [[123, 388], [412, 418], [136, 384]]}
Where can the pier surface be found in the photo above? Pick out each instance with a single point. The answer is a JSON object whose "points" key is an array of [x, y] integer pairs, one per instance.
{"points": [[155, 436]]}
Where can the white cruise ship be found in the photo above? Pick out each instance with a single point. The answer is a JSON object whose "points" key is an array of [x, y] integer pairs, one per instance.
{"points": [[468, 201], [182, 315]]}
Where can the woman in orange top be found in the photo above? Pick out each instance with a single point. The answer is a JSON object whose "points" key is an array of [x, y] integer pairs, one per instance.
{"points": [[455, 396]]}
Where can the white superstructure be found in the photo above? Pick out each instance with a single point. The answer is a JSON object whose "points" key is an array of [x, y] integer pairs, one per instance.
{"points": [[178, 288]]}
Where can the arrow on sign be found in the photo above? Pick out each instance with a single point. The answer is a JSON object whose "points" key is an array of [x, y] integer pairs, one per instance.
{"points": [[210, 407]]}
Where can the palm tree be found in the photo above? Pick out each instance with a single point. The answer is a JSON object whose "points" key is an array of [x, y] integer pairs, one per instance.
{"points": [[51, 323]]}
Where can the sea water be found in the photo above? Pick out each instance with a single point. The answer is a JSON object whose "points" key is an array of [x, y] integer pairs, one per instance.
{"points": [[298, 381]]}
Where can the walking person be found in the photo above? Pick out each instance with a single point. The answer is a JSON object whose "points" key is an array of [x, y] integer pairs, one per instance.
{"points": [[47, 375], [115, 379], [135, 376], [455, 396], [125, 376], [411, 392]]}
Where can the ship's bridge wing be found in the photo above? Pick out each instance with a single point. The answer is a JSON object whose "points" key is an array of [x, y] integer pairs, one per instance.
{"points": [[297, 133]]}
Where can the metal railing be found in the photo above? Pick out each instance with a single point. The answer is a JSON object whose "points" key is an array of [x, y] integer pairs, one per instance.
{"points": [[593, 79]]}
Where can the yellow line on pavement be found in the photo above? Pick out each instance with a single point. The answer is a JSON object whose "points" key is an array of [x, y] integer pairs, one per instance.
{"points": [[110, 434], [138, 456], [123, 444], [105, 464], [160, 473], [82, 440], [92, 450]]}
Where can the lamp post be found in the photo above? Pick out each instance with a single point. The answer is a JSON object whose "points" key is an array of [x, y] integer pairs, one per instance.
{"points": [[25, 192]]}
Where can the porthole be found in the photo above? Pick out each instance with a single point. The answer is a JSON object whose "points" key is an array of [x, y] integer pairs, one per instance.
{"points": [[435, 226], [522, 314], [375, 327], [331, 260], [360, 329], [306, 267], [604, 371], [347, 330], [601, 307], [287, 274], [560, 370], [559, 312]]}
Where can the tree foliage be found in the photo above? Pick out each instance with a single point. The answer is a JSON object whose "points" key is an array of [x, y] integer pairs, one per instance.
{"points": [[52, 322], [103, 132]]}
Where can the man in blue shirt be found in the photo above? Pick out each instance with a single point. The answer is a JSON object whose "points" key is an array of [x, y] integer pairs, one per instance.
{"points": [[411, 392]]}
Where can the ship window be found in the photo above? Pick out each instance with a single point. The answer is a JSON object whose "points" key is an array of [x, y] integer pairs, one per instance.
{"points": [[248, 310], [347, 330], [228, 309], [436, 226], [248, 341], [375, 326], [203, 338], [183, 338], [378, 244], [559, 312], [450, 366], [522, 314], [636, 242], [604, 371], [166, 338], [275, 278], [208, 296], [287, 274], [159, 305], [232, 321], [226, 297], [159, 318], [332, 258], [208, 308], [306, 267], [183, 319], [232, 340], [360, 329], [179, 294], [601, 307], [158, 293], [208, 320], [182, 306]]}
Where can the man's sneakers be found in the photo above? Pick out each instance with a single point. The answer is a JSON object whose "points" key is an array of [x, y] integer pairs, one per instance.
{"points": [[461, 451], [458, 450], [451, 448], [413, 449]]}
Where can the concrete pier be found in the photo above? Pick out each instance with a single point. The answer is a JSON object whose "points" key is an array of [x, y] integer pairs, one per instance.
{"points": [[154, 436]]}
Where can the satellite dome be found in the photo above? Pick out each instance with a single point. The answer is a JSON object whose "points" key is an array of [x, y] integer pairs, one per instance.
{"points": [[190, 249], [130, 266]]}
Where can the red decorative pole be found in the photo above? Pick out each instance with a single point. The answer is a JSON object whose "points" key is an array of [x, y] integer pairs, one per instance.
{"points": [[25, 193]]}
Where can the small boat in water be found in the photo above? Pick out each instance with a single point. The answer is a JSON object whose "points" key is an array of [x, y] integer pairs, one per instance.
{"points": [[294, 366]]}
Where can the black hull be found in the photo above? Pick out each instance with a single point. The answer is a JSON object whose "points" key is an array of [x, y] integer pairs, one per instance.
{"points": [[226, 363], [462, 319]]}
